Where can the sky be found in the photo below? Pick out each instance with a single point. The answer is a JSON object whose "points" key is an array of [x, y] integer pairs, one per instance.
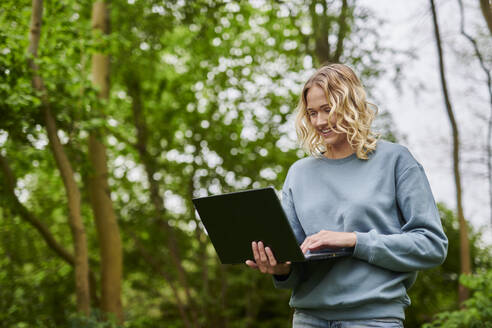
{"points": [[418, 110]]}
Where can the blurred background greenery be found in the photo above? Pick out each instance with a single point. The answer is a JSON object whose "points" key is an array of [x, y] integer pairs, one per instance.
{"points": [[199, 101]]}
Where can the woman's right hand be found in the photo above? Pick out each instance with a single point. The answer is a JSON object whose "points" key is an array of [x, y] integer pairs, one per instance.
{"points": [[265, 261]]}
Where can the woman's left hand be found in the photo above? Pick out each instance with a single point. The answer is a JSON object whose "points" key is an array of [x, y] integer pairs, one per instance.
{"points": [[326, 239]]}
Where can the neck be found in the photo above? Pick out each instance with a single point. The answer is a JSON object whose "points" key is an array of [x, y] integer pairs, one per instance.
{"points": [[339, 151]]}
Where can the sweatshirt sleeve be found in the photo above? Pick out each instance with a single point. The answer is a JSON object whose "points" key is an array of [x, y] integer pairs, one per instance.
{"points": [[297, 269], [422, 243]]}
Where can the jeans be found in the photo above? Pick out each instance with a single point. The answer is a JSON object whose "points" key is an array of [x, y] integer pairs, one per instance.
{"points": [[302, 320]]}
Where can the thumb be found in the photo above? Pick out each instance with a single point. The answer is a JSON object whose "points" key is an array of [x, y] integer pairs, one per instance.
{"points": [[251, 264]]}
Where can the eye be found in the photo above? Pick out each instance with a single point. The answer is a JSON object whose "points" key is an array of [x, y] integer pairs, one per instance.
{"points": [[311, 113], [326, 109]]}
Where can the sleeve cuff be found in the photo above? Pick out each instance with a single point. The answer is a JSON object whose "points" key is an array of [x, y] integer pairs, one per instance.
{"points": [[363, 246], [292, 279]]}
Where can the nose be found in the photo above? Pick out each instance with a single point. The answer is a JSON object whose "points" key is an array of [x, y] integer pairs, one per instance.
{"points": [[321, 119]]}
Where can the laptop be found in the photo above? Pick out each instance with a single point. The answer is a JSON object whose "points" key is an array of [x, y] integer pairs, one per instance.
{"points": [[234, 220]]}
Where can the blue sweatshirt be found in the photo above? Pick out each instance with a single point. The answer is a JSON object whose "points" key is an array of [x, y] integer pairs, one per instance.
{"points": [[387, 201]]}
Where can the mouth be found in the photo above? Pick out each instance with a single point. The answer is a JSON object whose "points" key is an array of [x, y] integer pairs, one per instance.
{"points": [[325, 132]]}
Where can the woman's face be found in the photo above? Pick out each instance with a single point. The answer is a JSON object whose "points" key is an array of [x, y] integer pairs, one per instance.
{"points": [[317, 110]]}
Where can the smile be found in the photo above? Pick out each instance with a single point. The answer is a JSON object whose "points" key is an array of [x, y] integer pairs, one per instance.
{"points": [[325, 132]]}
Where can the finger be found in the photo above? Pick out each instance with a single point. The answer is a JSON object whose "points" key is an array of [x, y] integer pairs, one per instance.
{"points": [[286, 264], [261, 260], [306, 244], [316, 245], [251, 264], [256, 255], [261, 250], [271, 257], [303, 245]]}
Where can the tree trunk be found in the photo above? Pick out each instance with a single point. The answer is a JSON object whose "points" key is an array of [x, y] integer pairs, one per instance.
{"points": [[321, 30], [321, 25], [486, 7], [223, 293], [65, 168], [343, 30], [100, 196], [134, 90], [463, 292], [202, 242]]}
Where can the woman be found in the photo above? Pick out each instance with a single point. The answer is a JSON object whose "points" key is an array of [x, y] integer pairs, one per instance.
{"points": [[353, 191]]}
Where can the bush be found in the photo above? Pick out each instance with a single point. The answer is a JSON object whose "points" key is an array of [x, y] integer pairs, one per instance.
{"points": [[478, 308]]}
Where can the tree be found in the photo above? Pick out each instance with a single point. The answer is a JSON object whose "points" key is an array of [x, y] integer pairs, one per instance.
{"points": [[177, 69], [71, 188], [436, 289], [476, 312], [486, 71], [464, 242], [201, 97], [100, 195]]}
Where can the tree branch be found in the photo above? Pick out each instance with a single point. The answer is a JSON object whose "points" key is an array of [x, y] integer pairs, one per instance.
{"points": [[489, 85], [29, 217]]}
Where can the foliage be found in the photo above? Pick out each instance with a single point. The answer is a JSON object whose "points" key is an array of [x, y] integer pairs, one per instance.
{"points": [[436, 289], [95, 320], [477, 311], [202, 95]]}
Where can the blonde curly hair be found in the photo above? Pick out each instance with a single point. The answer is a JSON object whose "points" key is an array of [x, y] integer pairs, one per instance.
{"points": [[347, 99]]}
